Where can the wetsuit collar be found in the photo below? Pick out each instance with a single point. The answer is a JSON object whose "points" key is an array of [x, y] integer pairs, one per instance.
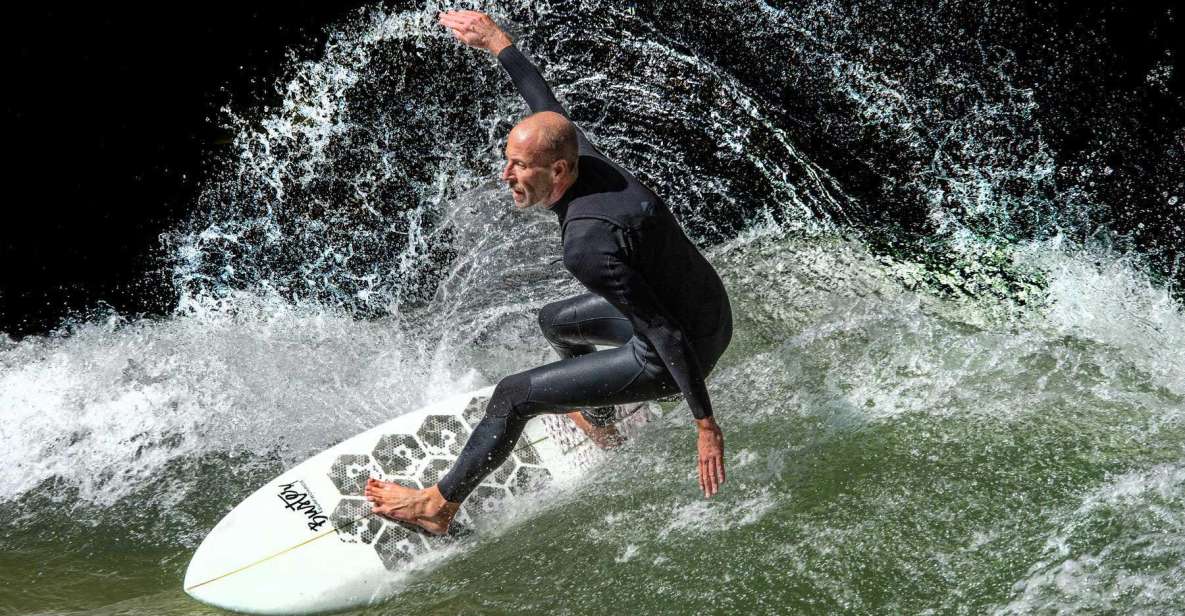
{"points": [[561, 208], [577, 189]]}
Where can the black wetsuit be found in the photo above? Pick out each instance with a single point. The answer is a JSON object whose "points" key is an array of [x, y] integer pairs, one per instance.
{"points": [[653, 296]]}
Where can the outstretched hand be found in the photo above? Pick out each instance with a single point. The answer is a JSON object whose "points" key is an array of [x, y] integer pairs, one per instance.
{"points": [[711, 456], [476, 29]]}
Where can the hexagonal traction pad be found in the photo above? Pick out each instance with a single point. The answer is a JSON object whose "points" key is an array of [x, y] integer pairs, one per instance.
{"points": [[398, 544], [443, 435], [352, 522], [349, 473], [398, 454], [421, 460], [475, 410], [528, 479], [434, 470], [485, 498]]}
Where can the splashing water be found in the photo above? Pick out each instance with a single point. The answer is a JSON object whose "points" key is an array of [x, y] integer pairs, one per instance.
{"points": [[996, 429]]}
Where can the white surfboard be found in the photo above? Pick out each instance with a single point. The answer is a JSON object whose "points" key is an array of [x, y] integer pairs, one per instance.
{"points": [[307, 543]]}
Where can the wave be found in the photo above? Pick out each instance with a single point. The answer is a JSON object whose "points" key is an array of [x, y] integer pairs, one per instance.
{"points": [[944, 375]]}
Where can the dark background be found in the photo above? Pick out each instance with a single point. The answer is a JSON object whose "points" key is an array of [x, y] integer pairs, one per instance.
{"points": [[112, 121]]}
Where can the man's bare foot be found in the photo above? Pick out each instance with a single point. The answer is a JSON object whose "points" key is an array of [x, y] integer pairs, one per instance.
{"points": [[424, 508], [605, 437]]}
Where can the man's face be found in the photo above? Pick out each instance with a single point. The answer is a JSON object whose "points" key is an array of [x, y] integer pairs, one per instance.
{"points": [[530, 182]]}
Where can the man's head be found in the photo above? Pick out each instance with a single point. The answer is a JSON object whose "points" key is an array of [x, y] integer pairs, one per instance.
{"points": [[541, 159]]}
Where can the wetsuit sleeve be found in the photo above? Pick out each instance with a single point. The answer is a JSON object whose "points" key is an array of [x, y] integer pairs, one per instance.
{"points": [[537, 94], [603, 265]]}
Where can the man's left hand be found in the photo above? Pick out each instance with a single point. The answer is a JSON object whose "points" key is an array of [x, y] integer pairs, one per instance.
{"points": [[711, 456]]}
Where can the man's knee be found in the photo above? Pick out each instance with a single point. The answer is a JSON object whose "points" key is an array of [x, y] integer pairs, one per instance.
{"points": [[509, 396], [549, 315]]}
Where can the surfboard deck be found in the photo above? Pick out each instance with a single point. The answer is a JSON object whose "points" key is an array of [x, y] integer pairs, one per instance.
{"points": [[307, 543]]}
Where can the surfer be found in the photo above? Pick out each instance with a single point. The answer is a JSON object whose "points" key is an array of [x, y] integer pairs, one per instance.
{"points": [[652, 296]]}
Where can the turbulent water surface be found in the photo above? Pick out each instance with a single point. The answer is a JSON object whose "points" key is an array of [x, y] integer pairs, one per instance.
{"points": [[991, 423]]}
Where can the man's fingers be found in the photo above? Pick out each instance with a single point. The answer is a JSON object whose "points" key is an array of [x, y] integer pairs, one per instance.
{"points": [[469, 16], [711, 475], [453, 21], [454, 24], [465, 17], [474, 19]]}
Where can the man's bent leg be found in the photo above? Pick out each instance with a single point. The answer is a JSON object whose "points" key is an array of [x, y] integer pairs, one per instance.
{"points": [[488, 447], [573, 327], [493, 438], [613, 376]]}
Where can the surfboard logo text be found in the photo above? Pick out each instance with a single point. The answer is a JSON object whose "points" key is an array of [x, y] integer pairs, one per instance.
{"points": [[296, 498]]}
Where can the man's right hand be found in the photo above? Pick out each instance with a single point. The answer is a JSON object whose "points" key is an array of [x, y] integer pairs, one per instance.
{"points": [[476, 29]]}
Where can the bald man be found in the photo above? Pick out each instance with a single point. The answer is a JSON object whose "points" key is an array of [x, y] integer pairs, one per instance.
{"points": [[652, 296]]}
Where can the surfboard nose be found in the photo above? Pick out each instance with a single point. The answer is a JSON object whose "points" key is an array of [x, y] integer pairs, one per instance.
{"points": [[269, 587], [200, 574]]}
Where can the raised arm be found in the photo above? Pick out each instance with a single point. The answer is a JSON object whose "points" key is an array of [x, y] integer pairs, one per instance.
{"points": [[477, 30], [529, 82]]}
